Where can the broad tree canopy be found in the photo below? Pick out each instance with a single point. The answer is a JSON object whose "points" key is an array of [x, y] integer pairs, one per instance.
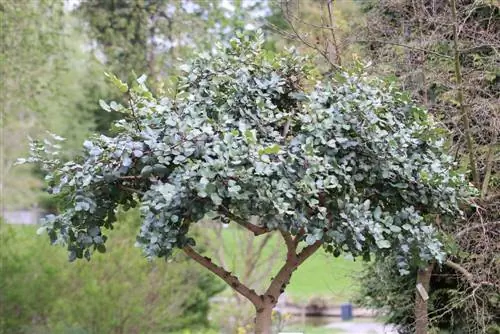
{"points": [[348, 162]]}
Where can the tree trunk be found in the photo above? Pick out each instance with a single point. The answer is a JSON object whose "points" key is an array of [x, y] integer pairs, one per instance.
{"points": [[421, 315], [263, 320]]}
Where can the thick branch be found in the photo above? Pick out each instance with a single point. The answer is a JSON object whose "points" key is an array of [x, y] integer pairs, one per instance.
{"points": [[461, 270], [298, 237], [308, 251], [406, 46], [256, 230], [487, 175], [474, 227], [231, 280], [283, 277]]}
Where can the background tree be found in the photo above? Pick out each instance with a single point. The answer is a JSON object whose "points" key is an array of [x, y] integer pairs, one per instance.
{"points": [[43, 70], [352, 166], [446, 55]]}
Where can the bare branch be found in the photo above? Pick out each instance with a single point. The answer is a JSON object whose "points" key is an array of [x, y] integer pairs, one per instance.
{"points": [[130, 189], [468, 275], [460, 96], [297, 36], [404, 46], [463, 231], [487, 175], [334, 39], [130, 177], [231, 280]]}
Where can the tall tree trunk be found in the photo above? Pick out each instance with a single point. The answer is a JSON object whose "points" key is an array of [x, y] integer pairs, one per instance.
{"points": [[421, 315], [263, 320]]}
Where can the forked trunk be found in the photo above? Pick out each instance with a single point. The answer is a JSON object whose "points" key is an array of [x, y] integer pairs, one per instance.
{"points": [[263, 320]]}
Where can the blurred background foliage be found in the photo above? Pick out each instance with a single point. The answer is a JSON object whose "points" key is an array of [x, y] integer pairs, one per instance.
{"points": [[119, 292]]}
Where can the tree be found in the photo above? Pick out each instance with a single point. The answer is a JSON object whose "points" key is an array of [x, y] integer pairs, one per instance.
{"points": [[349, 164]]}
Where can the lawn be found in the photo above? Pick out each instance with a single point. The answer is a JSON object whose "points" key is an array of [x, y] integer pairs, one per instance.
{"points": [[325, 276]]}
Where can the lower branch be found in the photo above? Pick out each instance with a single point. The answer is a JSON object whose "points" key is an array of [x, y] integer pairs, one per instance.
{"points": [[231, 280]]}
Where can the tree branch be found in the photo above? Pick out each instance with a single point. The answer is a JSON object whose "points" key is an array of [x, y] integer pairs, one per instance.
{"points": [[299, 236], [469, 276], [231, 280], [473, 227], [256, 230], [308, 251], [329, 5], [487, 175], [461, 270], [283, 277], [290, 245], [404, 46]]}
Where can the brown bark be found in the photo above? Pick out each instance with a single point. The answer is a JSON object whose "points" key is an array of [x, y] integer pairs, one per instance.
{"points": [[263, 320], [231, 280], [421, 314]]}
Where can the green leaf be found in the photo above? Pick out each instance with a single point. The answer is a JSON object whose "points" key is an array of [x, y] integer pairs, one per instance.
{"points": [[146, 171], [383, 243], [274, 149], [104, 106], [310, 239], [216, 199]]}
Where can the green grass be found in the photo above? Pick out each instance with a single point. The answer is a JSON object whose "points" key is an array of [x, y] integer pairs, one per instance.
{"points": [[322, 275]]}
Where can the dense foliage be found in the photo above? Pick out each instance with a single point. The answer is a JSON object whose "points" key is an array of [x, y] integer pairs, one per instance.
{"points": [[352, 162]]}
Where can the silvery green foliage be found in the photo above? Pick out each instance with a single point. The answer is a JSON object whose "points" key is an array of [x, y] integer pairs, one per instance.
{"points": [[351, 161]]}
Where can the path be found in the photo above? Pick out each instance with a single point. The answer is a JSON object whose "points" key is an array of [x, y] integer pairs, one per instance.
{"points": [[362, 328]]}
